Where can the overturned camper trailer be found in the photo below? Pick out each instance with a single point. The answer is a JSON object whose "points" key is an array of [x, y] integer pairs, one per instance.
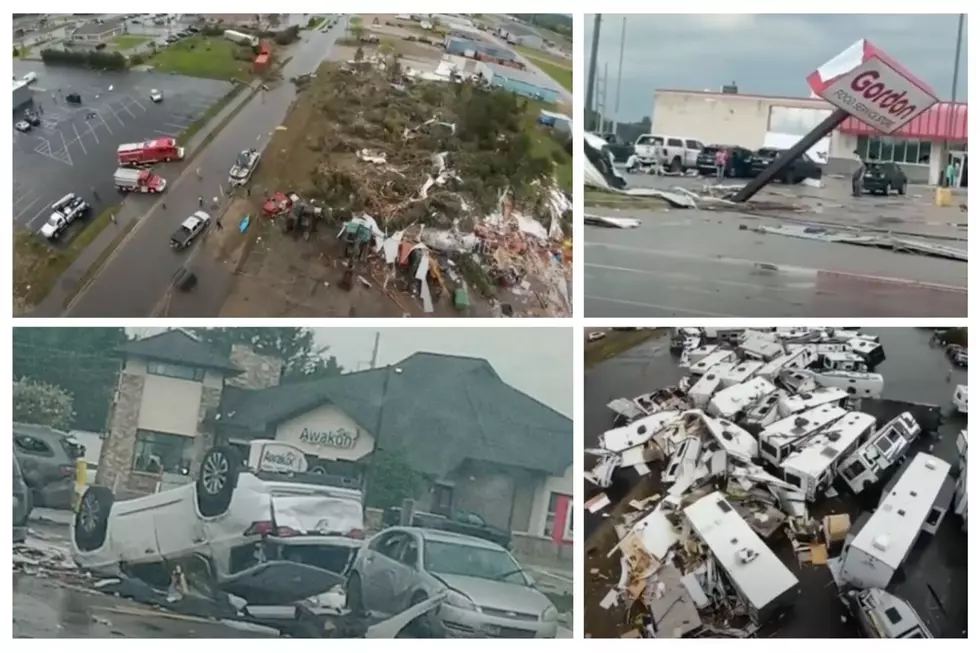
{"points": [[793, 404], [759, 346], [858, 384], [882, 615], [776, 440], [708, 384], [762, 582], [730, 402], [918, 501], [888, 445], [813, 466], [959, 498]]}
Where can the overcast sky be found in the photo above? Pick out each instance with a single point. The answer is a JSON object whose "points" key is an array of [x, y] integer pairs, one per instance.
{"points": [[763, 54], [536, 361]]}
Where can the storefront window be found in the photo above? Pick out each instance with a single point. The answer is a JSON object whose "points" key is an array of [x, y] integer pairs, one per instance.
{"points": [[163, 452], [899, 150], [549, 520]]}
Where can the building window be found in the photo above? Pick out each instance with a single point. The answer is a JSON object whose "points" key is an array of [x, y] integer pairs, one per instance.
{"points": [[163, 452], [897, 150], [176, 371], [554, 505]]}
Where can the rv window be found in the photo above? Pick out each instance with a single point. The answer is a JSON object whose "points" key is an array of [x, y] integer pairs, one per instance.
{"points": [[934, 516], [915, 634], [893, 615], [794, 479], [853, 470], [723, 506], [768, 448]]}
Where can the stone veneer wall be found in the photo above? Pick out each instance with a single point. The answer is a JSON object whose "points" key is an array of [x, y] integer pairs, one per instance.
{"points": [[261, 371], [210, 398], [116, 458]]}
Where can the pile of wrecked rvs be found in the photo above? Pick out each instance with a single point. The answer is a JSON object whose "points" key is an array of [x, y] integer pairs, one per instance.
{"points": [[765, 424]]}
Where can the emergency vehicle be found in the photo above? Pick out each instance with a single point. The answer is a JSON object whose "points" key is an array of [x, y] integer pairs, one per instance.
{"points": [[139, 181], [147, 152]]}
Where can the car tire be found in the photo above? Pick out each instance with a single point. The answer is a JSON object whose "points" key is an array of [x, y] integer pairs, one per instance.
{"points": [[217, 480], [887, 189], [675, 165], [92, 518], [421, 627], [355, 595], [902, 188]]}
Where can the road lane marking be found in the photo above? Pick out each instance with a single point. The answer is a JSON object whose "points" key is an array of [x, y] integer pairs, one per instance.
{"points": [[79, 139], [168, 134], [659, 307], [30, 223], [65, 144], [26, 209], [179, 126], [99, 114], [125, 107], [137, 102], [109, 106], [91, 130]]}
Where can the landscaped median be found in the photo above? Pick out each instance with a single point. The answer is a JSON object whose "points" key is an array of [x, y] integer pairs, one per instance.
{"points": [[128, 41], [38, 265], [554, 67], [213, 57]]}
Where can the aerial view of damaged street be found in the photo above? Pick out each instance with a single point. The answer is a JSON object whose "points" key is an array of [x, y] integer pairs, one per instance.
{"points": [[776, 482], [776, 166], [289, 482], [292, 165]]}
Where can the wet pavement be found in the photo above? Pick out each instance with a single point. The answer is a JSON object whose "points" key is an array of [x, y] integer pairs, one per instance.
{"points": [[933, 580], [692, 262]]}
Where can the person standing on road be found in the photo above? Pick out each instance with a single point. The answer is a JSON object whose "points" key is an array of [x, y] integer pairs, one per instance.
{"points": [[950, 174], [721, 161], [218, 225], [112, 217], [95, 194], [198, 173], [200, 201], [857, 178]]}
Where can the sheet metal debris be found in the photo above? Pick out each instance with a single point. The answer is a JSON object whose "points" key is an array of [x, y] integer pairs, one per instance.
{"points": [[673, 582]]}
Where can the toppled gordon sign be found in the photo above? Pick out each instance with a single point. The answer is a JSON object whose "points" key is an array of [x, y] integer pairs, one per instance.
{"points": [[871, 86], [863, 82]]}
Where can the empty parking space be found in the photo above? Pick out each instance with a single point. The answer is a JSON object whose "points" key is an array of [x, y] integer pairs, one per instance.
{"points": [[74, 148]]}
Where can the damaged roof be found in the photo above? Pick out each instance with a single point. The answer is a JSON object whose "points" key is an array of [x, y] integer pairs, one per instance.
{"points": [[439, 409], [178, 346]]}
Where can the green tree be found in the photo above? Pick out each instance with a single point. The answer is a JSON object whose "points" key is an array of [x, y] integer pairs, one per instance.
{"points": [[390, 479], [36, 402], [302, 358], [81, 360], [356, 31]]}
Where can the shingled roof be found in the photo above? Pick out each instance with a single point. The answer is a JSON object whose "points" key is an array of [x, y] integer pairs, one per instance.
{"points": [[178, 346], [439, 409]]}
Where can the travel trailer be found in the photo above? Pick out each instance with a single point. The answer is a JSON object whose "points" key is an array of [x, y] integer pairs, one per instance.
{"points": [[959, 498], [859, 384], [712, 359], [636, 433], [762, 413], [735, 441], [731, 401], [841, 361], [740, 373], [762, 582], [708, 384], [792, 404], [884, 448], [776, 440], [800, 359], [691, 356], [870, 350], [960, 399], [813, 466], [917, 502], [796, 381], [882, 615], [760, 346]]}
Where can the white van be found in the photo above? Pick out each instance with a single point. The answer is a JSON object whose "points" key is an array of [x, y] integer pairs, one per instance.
{"points": [[813, 468], [762, 582], [917, 501], [960, 399], [776, 440], [868, 464]]}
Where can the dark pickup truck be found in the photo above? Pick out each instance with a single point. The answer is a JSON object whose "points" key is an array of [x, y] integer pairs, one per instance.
{"points": [[620, 151], [463, 523]]}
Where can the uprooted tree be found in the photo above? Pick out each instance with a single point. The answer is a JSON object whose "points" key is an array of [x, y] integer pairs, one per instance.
{"points": [[36, 402]]}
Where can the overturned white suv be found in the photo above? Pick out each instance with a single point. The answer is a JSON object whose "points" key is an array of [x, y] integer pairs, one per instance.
{"points": [[264, 532]]}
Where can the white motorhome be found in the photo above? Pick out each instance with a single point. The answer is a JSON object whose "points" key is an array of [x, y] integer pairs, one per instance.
{"points": [[760, 346], [882, 615], [712, 359], [709, 382], [776, 440], [868, 464], [625, 437], [859, 384], [813, 468], [959, 498], [731, 401], [793, 404], [960, 399], [740, 373], [762, 582], [916, 502], [841, 361], [691, 356], [800, 359], [870, 350]]}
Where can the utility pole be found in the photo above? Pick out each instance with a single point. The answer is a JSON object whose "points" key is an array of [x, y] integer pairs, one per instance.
{"points": [[590, 85], [956, 79], [619, 77], [605, 95], [377, 346]]}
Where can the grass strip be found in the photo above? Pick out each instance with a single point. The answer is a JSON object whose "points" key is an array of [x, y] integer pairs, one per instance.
{"points": [[615, 343]]}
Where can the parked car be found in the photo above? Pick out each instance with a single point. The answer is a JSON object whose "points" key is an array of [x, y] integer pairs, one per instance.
{"points": [[32, 118], [739, 161], [681, 152], [801, 168], [462, 522], [156, 95], [252, 529], [22, 126], [189, 229], [957, 354], [22, 504], [884, 177], [73, 98], [489, 594], [47, 459]]}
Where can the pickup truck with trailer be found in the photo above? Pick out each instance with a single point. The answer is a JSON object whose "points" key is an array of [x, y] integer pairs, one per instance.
{"points": [[189, 229], [138, 181], [63, 212]]}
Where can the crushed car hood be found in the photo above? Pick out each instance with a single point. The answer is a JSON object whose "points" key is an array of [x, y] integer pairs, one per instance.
{"points": [[499, 595], [280, 582]]}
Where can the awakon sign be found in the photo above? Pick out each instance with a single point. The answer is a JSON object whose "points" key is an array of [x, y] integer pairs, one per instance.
{"points": [[337, 439]]}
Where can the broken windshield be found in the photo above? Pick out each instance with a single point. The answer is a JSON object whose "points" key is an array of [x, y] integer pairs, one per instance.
{"points": [[476, 561]]}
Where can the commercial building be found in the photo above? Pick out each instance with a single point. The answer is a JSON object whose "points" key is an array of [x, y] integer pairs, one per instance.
{"points": [[476, 49], [517, 81], [480, 445], [97, 32], [22, 94], [922, 147]]}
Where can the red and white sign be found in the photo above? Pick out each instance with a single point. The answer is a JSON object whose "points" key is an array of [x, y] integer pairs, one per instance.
{"points": [[871, 86]]}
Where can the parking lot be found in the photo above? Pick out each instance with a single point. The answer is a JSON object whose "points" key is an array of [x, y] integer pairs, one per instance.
{"points": [[74, 149]]}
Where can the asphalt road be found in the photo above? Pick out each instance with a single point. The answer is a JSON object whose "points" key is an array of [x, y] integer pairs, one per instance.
{"points": [[138, 275], [934, 579], [75, 151], [693, 263]]}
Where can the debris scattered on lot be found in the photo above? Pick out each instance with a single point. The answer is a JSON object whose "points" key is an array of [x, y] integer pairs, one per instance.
{"points": [[851, 237], [746, 447]]}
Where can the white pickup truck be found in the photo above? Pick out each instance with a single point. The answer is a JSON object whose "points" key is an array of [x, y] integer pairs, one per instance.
{"points": [[680, 153], [63, 212]]}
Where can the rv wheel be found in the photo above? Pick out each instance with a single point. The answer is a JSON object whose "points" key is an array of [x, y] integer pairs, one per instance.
{"points": [[92, 518], [216, 480]]}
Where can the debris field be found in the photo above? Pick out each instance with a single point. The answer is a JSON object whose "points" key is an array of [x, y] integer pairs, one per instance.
{"points": [[745, 465]]}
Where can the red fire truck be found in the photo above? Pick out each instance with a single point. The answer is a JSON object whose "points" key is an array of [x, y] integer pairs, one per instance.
{"points": [[147, 152], [139, 181]]}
